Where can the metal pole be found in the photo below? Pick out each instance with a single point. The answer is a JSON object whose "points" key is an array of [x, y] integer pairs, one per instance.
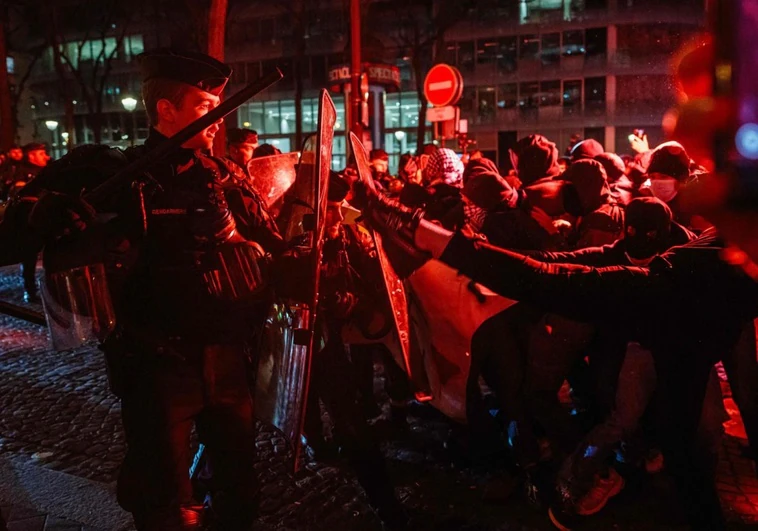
{"points": [[355, 68], [134, 128]]}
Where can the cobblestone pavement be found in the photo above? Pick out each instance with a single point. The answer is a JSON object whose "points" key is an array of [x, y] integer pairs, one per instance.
{"points": [[56, 411]]}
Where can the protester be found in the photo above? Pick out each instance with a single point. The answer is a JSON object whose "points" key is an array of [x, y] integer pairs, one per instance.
{"points": [[655, 301], [586, 149], [587, 197]]}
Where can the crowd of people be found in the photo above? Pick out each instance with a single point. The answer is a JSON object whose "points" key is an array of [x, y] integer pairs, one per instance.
{"points": [[621, 293], [581, 235]]}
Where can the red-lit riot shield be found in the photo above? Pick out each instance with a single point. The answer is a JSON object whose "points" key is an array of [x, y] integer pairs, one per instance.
{"points": [[395, 291], [288, 338], [272, 177]]}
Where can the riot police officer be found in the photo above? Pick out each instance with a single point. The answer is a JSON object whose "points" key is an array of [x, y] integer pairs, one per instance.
{"points": [[241, 146], [178, 356], [346, 294]]}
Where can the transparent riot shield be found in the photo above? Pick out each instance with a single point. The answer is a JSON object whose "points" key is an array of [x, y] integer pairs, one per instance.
{"points": [[288, 340], [395, 291], [272, 177], [77, 306]]}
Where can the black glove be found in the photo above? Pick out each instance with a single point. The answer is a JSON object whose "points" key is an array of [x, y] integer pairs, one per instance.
{"points": [[55, 215], [396, 224]]}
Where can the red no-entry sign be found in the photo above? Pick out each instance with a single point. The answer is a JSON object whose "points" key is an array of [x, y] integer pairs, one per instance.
{"points": [[443, 85]]}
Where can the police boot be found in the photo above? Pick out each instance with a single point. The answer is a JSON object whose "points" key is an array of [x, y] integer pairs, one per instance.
{"points": [[396, 224]]}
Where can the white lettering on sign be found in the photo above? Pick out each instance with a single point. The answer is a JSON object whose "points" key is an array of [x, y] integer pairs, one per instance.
{"points": [[339, 74], [379, 74], [441, 85]]}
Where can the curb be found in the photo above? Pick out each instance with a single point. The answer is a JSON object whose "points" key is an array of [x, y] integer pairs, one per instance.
{"points": [[62, 495]]}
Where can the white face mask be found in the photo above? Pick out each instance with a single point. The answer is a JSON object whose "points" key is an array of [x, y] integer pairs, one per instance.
{"points": [[664, 188]]}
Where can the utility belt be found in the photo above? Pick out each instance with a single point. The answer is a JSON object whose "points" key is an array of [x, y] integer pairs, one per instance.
{"points": [[129, 354]]}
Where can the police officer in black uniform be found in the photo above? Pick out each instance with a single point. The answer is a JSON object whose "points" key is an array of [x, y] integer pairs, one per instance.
{"points": [[347, 293], [192, 347], [180, 352], [241, 144]]}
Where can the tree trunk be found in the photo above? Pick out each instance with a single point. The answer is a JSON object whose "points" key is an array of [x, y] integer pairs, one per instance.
{"points": [[65, 92], [95, 119], [216, 40], [7, 123]]}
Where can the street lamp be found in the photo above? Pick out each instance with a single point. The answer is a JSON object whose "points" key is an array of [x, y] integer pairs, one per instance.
{"points": [[130, 104], [52, 125]]}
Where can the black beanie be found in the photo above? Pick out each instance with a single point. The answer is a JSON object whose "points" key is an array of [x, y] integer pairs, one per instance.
{"points": [[670, 159]]}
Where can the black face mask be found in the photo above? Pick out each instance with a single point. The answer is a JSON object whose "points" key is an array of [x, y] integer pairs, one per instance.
{"points": [[644, 243]]}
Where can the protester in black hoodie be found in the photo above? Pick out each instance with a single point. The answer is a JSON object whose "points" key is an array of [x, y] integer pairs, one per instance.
{"points": [[687, 307], [586, 149], [587, 196]]}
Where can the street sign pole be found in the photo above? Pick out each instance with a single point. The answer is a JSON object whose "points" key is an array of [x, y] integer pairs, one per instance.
{"points": [[355, 69]]}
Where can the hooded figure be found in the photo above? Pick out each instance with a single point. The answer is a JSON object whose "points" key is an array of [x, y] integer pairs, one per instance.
{"points": [[667, 172], [622, 189], [586, 149], [536, 159], [485, 191], [588, 197], [485, 188]]}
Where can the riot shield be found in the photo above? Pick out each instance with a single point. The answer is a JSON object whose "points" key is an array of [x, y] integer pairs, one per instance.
{"points": [[283, 374], [395, 291], [272, 177]]}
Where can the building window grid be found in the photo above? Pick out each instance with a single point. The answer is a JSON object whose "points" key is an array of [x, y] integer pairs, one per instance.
{"points": [[550, 48], [568, 93]]}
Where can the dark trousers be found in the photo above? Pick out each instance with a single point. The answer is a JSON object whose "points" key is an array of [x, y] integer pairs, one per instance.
{"points": [[682, 383], [333, 381], [525, 356], [28, 271], [167, 395]]}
